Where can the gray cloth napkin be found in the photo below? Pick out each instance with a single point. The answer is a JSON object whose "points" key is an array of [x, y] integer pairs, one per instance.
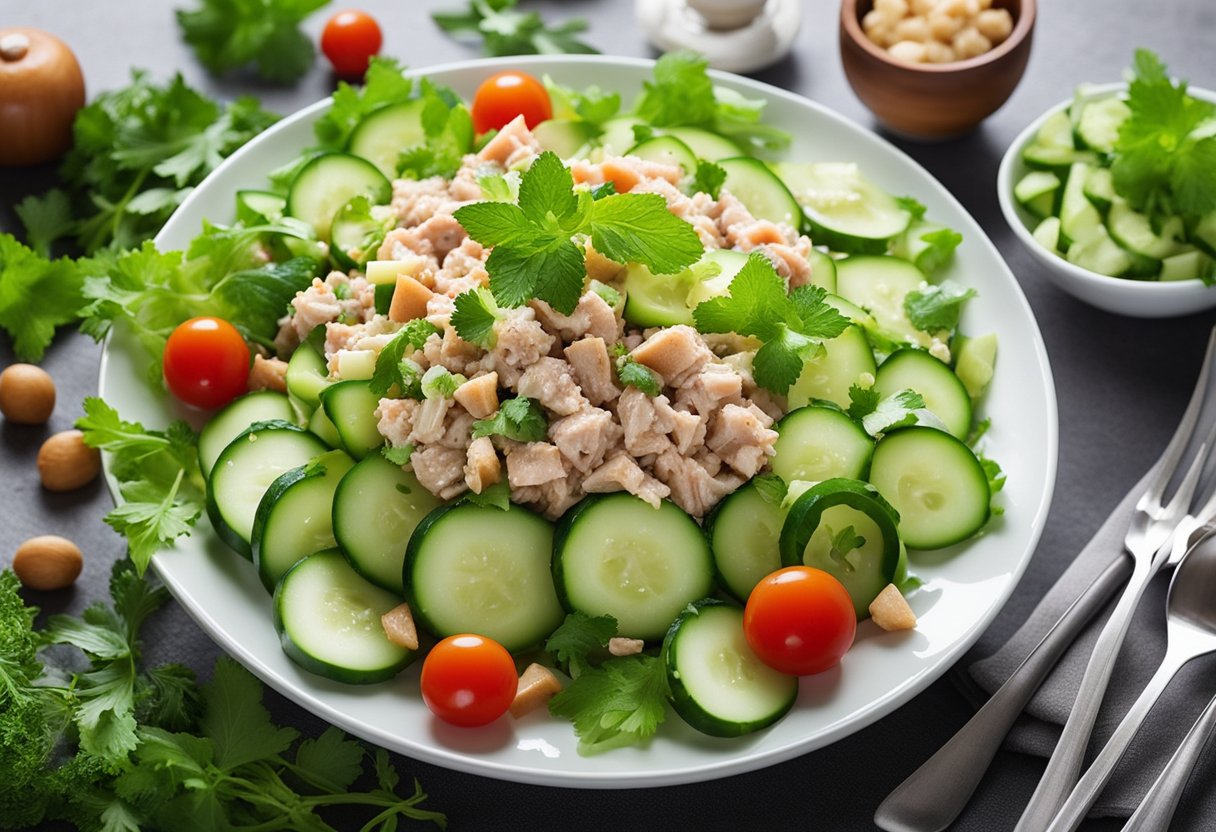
{"points": [[1039, 728]]}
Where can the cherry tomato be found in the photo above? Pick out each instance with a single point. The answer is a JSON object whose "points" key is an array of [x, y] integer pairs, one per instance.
{"points": [[799, 620], [349, 40], [505, 95], [206, 362], [468, 680]]}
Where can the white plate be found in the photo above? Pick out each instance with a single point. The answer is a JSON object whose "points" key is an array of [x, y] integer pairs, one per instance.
{"points": [[964, 587]]}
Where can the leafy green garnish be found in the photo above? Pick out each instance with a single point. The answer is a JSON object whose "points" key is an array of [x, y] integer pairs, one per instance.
{"points": [[771, 488], [682, 94], [631, 373], [505, 31], [158, 477], [996, 481], [708, 178], [937, 307], [940, 245], [1161, 166], [398, 454], [879, 415], [577, 638], [448, 135], [438, 382], [622, 701], [533, 255], [383, 84], [393, 368], [496, 496], [474, 316], [138, 152], [37, 296], [46, 219], [792, 326], [591, 105], [233, 34], [843, 542], [520, 418]]}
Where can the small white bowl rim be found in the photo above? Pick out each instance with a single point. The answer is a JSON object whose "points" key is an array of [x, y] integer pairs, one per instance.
{"points": [[1176, 290]]}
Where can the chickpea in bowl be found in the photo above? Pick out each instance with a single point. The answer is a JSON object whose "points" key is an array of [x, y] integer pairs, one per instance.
{"points": [[935, 69]]}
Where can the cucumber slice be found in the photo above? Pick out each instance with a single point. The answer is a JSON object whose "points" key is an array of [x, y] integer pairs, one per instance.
{"points": [[328, 620], [1189, 265], [1058, 159], [845, 359], [879, 285], [974, 360], [307, 375], [244, 471], [705, 144], [820, 443], [294, 516], [616, 555], [845, 211], [1133, 231], [1099, 121], [1056, 131], [1204, 234], [668, 299], [1100, 254], [1080, 221], [935, 483], [355, 239], [618, 135], [1099, 189], [235, 419], [376, 508], [1047, 234], [381, 136], [761, 191], [920, 245], [567, 138], [259, 207], [320, 424], [1037, 192], [666, 150], [718, 684], [943, 392], [330, 181], [827, 510], [823, 270], [351, 407], [744, 530], [475, 569], [851, 311]]}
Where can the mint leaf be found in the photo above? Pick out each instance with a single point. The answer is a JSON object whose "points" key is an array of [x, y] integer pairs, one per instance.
{"points": [[591, 105], [520, 418], [937, 307], [497, 223], [474, 316], [516, 277], [231, 34], [392, 368], [638, 228], [547, 189]]}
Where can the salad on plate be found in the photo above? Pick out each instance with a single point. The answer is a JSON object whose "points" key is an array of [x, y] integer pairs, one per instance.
{"points": [[617, 397]]}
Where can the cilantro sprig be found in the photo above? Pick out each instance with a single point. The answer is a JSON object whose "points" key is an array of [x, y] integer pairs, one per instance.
{"points": [[37, 296], [520, 418], [1161, 164], [792, 325], [505, 31], [264, 34], [534, 255]]}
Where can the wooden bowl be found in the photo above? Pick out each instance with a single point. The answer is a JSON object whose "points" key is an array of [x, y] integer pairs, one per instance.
{"points": [[933, 101]]}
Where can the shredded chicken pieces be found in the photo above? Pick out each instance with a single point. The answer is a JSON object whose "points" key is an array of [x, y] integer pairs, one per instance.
{"points": [[708, 431]]}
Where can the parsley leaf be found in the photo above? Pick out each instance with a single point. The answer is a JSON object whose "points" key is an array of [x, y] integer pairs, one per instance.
{"points": [[912, 205], [36, 296], [907, 407], [862, 401], [232, 34], [46, 218], [591, 105], [505, 31], [496, 496], [622, 701], [1158, 165], [937, 307], [383, 84], [398, 454], [577, 638], [633, 373], [520, 418], [393, 368], [682, 94], [474, 316], [792, 327], [158, 477], [708, 178], [843, 542], [771, 488]]}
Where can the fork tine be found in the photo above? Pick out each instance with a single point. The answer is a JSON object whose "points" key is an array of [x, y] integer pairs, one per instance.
{"points": [[1168, 465], [1180, 503]]}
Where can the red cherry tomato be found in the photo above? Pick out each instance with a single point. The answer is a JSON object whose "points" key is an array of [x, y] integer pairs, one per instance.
{"points": [[505, 95], [468, 680], [206, 362], [799, 620], [349, 40]]}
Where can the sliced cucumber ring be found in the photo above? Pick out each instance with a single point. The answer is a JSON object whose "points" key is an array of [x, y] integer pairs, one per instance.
{"points": [[233, 420], [845, 211], [328, 182], [943, 391], [744, 532], [820, 443]]}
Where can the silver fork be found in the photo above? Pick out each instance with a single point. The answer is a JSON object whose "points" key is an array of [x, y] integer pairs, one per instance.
{"points": [[934, 795], [1159, 536]]}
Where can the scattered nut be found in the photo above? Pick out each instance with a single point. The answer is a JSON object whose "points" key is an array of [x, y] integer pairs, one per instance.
{"points": [[537, 686], [398, 624], [47, 562], [618, 646], [27, 394], [66, 463], [890, 610]]}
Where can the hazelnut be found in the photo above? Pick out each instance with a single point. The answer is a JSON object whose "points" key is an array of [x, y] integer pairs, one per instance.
{"points": [[47, 562], [66, 463], [27, 394]]}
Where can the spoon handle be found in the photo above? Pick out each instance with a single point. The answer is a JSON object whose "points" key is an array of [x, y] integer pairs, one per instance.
{"points": [[1065, 764], [1090, 786], [934, 795], [1157, 809]]}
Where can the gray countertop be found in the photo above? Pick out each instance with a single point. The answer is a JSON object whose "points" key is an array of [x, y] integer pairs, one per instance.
{"points": [[1122, 383]]}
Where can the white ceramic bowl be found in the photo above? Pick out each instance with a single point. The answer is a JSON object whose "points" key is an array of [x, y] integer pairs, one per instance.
{"points": [[1137, 298]]}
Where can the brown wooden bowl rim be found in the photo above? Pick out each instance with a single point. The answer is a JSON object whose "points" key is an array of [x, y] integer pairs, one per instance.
{"points": [[851, 24]]}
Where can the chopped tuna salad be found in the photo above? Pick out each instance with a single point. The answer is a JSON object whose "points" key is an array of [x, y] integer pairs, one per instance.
{"points": [[702, 430]]}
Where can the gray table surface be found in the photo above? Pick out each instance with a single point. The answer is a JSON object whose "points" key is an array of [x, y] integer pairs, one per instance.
{"points": [[1122, 384]]}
